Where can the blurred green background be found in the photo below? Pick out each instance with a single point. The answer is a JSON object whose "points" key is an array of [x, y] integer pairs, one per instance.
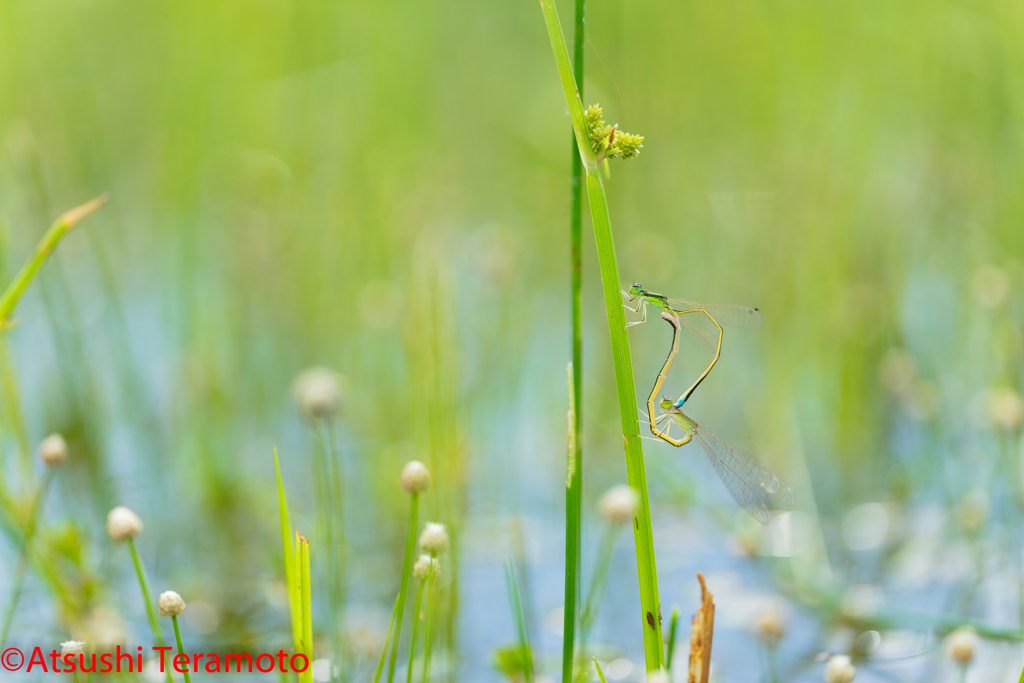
{"points": [[382, 189]]}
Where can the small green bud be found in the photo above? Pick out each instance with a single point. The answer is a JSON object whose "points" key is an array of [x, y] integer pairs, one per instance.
{"points": [[608, 142]]}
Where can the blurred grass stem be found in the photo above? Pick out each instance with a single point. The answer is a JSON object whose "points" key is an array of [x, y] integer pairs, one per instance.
{"points": [[410, 547], [181, 646], [643, 537], [147, 598]]}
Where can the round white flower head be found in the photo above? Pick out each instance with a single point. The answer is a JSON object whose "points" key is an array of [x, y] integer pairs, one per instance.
{"points": [[53, 450], [769, 627], [962, 645], [415, 477], [617, 504], [426, 567], [171, 604], [839, 669], [72, 647], [123, 524], [317, 392], [434, 538], [659, 676]]}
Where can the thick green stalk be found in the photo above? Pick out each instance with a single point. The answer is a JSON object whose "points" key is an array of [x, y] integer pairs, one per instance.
{"points": [[573, 508], [415, 629], [12, 295], [147, 598], [181, 647], [643, 536], [410, 546]]}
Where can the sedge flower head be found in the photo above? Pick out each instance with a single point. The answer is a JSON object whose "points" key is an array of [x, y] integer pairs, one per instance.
{"points": [[426, 567], [171, 604], [53, 450], [839, 669], [123, 524], [609, 142], [434, 538], [317, 392], [415, 477], [617, 504], [962, 645]]}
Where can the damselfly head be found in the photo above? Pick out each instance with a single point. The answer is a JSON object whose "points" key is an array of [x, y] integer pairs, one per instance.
{"points": [[636, 290], [666, 404]]}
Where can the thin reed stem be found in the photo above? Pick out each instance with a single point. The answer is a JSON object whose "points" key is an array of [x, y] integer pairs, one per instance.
{"points": [[410, 546], [670, 647], [181, 646], [147, 598], [387, 641], [522, 633], [605, 550], [428, 642], [415, 629], [643, 536], [574, 489], [573, 512]]}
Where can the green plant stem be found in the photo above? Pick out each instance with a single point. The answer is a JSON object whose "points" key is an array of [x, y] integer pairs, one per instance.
{"points": [[23, 558], [307, 608], [605, 549], [410, 546], [337, 474], [181, 647], [574, 491], [387, 641], [415, 629], [673, 627], [12, 295], [573, 510], [288, 551], [516, 603], [147, 598], [428, 643], [643, 536]]}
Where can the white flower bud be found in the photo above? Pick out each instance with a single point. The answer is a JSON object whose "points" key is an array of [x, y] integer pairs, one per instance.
{"points": [[839, 669], [962, 645], [318, 392], [434, 538], [171, 604], [53, 450], [72, 647], [415, 477], [425, 567], [617, 504], [769, 627], [123, 524]]}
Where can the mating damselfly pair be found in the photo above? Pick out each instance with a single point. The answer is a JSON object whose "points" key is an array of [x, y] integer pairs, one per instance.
{"points": [[753, 486]]}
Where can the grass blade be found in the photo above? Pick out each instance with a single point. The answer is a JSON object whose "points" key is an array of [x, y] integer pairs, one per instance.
{"points": [[515, 599], [643, 537], [288, 552]]}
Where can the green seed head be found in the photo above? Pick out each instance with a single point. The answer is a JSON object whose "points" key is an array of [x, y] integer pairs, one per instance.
{"points": [[608, 141]]}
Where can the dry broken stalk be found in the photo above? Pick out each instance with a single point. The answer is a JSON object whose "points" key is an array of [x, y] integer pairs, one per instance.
{"points": [[701, 631]]}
